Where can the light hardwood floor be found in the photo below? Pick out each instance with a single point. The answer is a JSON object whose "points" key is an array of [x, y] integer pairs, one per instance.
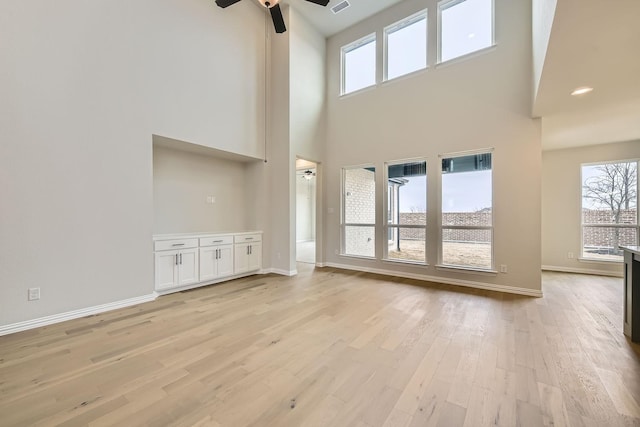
{"points": [[333, 348]]}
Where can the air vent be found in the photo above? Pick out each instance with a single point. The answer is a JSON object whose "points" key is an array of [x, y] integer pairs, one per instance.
{"points": [[340, 6]]}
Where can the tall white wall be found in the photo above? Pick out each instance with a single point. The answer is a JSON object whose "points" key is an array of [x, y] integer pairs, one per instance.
{"points": [[182, 181], [297, 126], [483, 101], [562, 204], [543, 14], [83, 87]]}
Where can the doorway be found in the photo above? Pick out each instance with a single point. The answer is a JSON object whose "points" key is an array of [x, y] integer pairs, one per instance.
{"points": [[306, 188]]}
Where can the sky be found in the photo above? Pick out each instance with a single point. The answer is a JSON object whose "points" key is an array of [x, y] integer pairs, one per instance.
{"points": [[461, 192]]}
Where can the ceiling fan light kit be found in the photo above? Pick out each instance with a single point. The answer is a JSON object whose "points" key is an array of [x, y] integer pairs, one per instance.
{"points": [[274, 9]]}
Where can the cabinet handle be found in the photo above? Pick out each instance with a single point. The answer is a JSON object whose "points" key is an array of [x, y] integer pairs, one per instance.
{"points": [[180, 259], [250, 249], [217, 241], [247, 250], [178, 244], [217, 253], [248, 238], [176, 259]]}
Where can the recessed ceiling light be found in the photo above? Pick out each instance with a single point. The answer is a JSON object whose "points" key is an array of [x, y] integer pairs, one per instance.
{"points": [[472, 35], [581, 90]]}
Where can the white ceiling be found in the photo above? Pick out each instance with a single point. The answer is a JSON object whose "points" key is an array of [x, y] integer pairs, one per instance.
{"points": [[593, 43], [329, 23]]}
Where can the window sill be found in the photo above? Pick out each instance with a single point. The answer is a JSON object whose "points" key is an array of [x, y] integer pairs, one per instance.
{"points": [[600, 261], [466, 56], [405, 262], [357, 91], [367, 258], [467, 270], [404, 76]]}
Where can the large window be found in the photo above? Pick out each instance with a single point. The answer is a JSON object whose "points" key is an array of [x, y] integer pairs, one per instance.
{"points": [[467, 217], [359, 211], [609, 209], [465, 26], [359, 64], [406, 46], [406, 208]]}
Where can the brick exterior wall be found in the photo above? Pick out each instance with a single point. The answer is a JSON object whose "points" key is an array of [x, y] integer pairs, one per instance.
{"points": [[450, 218], [360, 208], [604, 237]]}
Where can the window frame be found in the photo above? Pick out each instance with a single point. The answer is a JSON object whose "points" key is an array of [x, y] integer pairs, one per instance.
{"points": [[350, 47], [584, 258], [445, 4], [385, 220], [397, 26], [441, 264], [344, 224]]}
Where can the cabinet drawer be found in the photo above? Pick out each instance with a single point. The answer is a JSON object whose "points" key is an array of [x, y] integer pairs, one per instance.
{"points": [[165, 245], [216, 240], [248, 238]]}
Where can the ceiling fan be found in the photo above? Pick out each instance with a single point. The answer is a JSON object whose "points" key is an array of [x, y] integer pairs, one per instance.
{"points": [[274, 8]]}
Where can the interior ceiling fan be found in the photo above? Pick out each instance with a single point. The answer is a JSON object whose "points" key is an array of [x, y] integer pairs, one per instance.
{"points": [[274, 8]]}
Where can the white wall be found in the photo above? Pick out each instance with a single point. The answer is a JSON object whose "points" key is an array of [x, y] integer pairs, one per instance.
{"points": [[182, 181], [562, 204], [308, 107], [84, 86], [543, 14], [479, 102], [297, 122]]}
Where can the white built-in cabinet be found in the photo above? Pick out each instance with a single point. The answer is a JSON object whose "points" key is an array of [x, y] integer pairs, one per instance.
{"points": [[203, 259], [216, 257], [176, 263], [248, 252]]}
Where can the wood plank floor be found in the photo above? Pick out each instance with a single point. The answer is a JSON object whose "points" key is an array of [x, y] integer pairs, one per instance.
{"points": [[333, 348]]}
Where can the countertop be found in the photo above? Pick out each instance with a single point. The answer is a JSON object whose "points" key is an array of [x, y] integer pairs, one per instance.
{"points": [[632, 249], [201, 234]]}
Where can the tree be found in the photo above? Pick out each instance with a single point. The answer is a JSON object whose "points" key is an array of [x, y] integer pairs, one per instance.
{"points": [[614, 188]]}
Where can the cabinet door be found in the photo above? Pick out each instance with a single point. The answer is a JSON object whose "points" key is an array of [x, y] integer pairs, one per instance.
{"points": [[241, 258], [255, 256], [208, 263], [188, 267], [225, 260], [166, 269]]}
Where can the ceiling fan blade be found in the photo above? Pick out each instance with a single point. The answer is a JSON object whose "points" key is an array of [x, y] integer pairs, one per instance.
{"points": [[278, 20], [226, 3], [320, 2]]}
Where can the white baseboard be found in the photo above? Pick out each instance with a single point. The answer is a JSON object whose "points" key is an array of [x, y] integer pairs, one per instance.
{"points": [[320, 264], [445, 280], [280, 271], [583, 271], [74, 314]]}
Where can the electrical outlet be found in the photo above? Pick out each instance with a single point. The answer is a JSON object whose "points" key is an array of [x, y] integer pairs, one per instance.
{"points": [[570, 255], [503, 268], [34, 294]]}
